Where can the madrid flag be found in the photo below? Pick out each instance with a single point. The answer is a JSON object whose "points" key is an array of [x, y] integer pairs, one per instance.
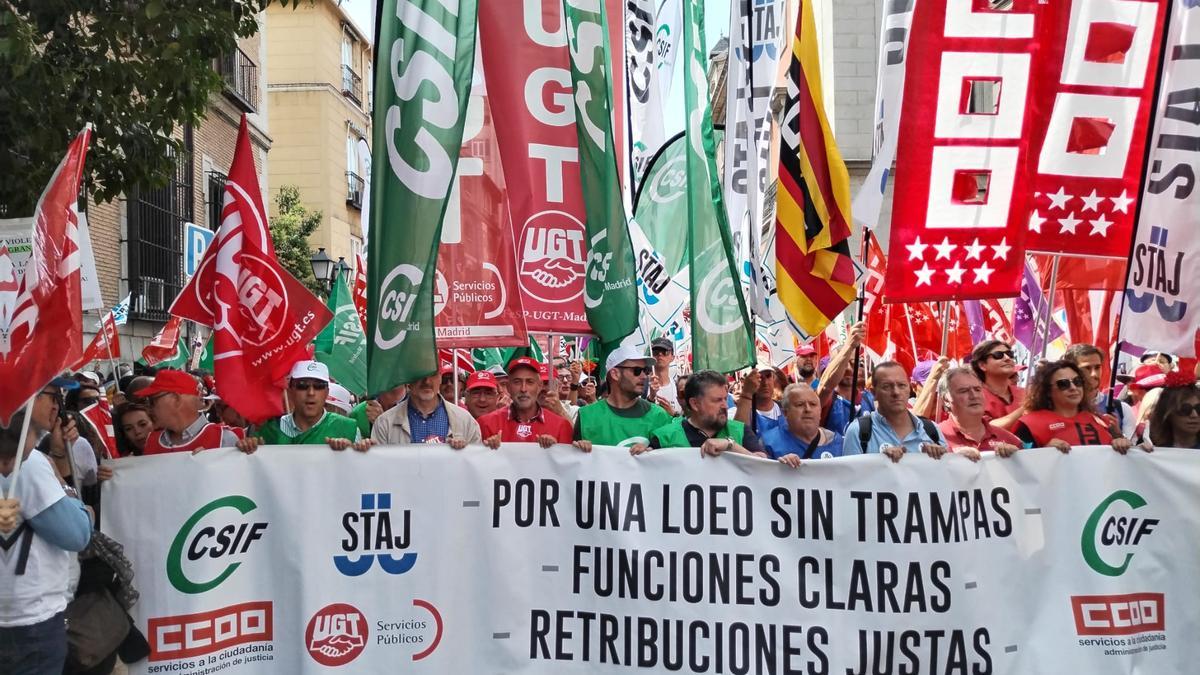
{"points": [[262, 318], [41, 315]]}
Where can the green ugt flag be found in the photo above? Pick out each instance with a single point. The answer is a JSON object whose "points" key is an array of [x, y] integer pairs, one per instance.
{"points": [[424, 61], [341, 345], [610, 289], [722, 337]]}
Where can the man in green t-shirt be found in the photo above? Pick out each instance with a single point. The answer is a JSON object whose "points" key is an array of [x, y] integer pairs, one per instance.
{"points": [[624, 419], [309, 423], [707, 425]]}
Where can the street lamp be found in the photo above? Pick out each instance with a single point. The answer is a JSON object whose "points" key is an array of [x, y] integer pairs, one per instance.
{"points": [[322, 266], [342, 268]]}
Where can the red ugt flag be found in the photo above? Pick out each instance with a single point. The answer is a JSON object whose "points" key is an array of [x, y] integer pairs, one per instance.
{"points": [[99, 348], [41, 321], [262, 318]]}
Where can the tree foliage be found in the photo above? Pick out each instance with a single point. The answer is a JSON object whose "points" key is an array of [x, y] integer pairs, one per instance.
{"points": [[136, 69], [290, 231]]}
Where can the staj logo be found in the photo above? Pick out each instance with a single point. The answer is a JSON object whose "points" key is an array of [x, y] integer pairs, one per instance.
{"points": [[372, 534], [336, 635], [1108, 532], [212, 536]]}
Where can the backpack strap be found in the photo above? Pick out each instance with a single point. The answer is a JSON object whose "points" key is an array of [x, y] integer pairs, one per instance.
{"points": [[930, 428], [864, 431]]}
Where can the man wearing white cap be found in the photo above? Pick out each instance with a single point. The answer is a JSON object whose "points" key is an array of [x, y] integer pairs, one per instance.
{"points": [[624, 419], [338, 400], [309, 423]]}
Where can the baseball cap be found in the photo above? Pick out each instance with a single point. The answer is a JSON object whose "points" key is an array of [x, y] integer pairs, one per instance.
{"points": [[446, 369], [171, 382], [806, 350], [544, 372], [497, 371], [662, 343], [339, 397], [525, 362], [1148, 376], [63, 383], [625, 353], [921, 372], [311, 370], [482, 378]]}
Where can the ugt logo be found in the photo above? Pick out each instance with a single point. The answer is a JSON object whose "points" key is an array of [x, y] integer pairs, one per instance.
{"points": [[369, 533], [1106, 531]]}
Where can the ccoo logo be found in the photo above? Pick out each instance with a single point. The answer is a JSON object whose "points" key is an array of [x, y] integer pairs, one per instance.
{"points": [[398, 294], [1106, 531]]}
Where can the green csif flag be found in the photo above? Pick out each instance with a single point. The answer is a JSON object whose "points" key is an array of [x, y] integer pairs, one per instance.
{"points": [[610, 288], [424, 61], [722, 335], [206, 357], [341, 345]]}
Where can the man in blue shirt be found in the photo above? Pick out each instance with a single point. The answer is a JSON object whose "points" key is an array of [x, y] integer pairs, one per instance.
{"points": [[894, 430], [801, 436]]}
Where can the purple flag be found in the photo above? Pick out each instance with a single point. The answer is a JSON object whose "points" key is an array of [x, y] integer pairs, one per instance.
{"points": [[1030, 314], [974, 312]]}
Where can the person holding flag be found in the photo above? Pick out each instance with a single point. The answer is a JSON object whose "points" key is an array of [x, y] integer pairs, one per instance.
{"points": [[176, 405], [309, 423]]}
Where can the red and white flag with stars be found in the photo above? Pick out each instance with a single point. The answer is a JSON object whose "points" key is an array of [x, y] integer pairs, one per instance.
{"points": [[1022, 127]]}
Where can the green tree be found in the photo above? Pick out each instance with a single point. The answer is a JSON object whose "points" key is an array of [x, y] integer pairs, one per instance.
{"points": [[136, 69], [290, 231]]}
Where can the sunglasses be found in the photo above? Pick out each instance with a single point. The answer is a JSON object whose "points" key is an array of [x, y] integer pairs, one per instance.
{"points": [[1065, 384], [1000, 356], [1188, 410], [305, 386], [636, 370]]}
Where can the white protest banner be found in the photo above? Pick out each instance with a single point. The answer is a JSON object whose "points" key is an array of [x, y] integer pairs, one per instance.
{"points": [[16, 235], [421, 559]]}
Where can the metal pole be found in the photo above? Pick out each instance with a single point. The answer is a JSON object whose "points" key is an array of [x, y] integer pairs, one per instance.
{"points": [[862, 299], [108, 345], [1050, 307], [454, 357], [945, 327]]}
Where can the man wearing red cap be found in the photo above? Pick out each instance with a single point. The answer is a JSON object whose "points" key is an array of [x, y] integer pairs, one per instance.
{"points": [[483, 394], [175, 405], [525, 420], [806, 365]]}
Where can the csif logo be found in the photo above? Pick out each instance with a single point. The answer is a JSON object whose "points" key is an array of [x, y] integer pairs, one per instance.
{"points": [[1106, 531], [372, 534], [198, 551], [398, 292]]}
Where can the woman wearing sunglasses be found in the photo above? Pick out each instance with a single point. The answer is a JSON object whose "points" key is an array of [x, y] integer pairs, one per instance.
{"points": [[1175, 420], [994, 365], [1059, 412]]}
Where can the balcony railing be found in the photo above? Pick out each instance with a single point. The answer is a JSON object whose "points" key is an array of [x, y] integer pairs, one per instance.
{"points": [[241, 79], [216, 199], [351, 85], [354, 190]]}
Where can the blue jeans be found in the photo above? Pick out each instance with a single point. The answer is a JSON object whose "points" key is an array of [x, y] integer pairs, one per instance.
{"points": [[36, 649]]}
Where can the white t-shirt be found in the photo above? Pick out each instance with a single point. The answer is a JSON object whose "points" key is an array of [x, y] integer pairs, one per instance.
{"points": [[40, 592]]}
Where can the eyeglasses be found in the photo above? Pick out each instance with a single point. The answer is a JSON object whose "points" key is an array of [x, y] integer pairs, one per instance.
{"points": [[636, 370], [1065, 384], [157, 397], [305, 386], [1000, 356], [1186, 410], [660, 352]]}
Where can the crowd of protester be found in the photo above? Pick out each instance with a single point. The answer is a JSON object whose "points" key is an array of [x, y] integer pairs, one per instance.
{"points": [[638, 401]]}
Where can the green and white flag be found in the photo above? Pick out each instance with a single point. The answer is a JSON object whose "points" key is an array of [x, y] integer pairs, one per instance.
{"points": [[341, 345], [205, 362], [424, 62], [722, 335], [610, 287]]}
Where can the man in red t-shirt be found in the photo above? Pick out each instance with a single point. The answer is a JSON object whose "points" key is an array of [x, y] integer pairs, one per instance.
{"points": [[966, 431], [524, 420]]}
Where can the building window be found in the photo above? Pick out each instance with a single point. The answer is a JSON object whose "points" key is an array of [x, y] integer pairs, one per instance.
{"points": [[354, 181], [351, 80], [241, 79], [155, 244], [216, 199]]}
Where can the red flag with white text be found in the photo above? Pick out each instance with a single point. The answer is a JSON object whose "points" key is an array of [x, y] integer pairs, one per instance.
{"points": [[263, 319], [41, 319], [106, 344], [165, 344]]}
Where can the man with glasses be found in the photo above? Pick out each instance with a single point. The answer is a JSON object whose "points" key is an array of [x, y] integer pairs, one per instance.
{"points": [[1091, 361], [483, 394], [624, 419], [666, 395], [892, 430], [176, 406], [308, 423], [994, 365]]}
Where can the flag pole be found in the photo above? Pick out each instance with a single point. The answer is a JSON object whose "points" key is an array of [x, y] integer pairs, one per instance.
{"points": [[454, 357], [1049, 299], [12, 483], [862, 299], [945, 327], [108, 345]]}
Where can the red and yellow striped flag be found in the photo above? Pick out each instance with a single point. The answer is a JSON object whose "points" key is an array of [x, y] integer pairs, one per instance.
{"points": [[814, 270]]}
